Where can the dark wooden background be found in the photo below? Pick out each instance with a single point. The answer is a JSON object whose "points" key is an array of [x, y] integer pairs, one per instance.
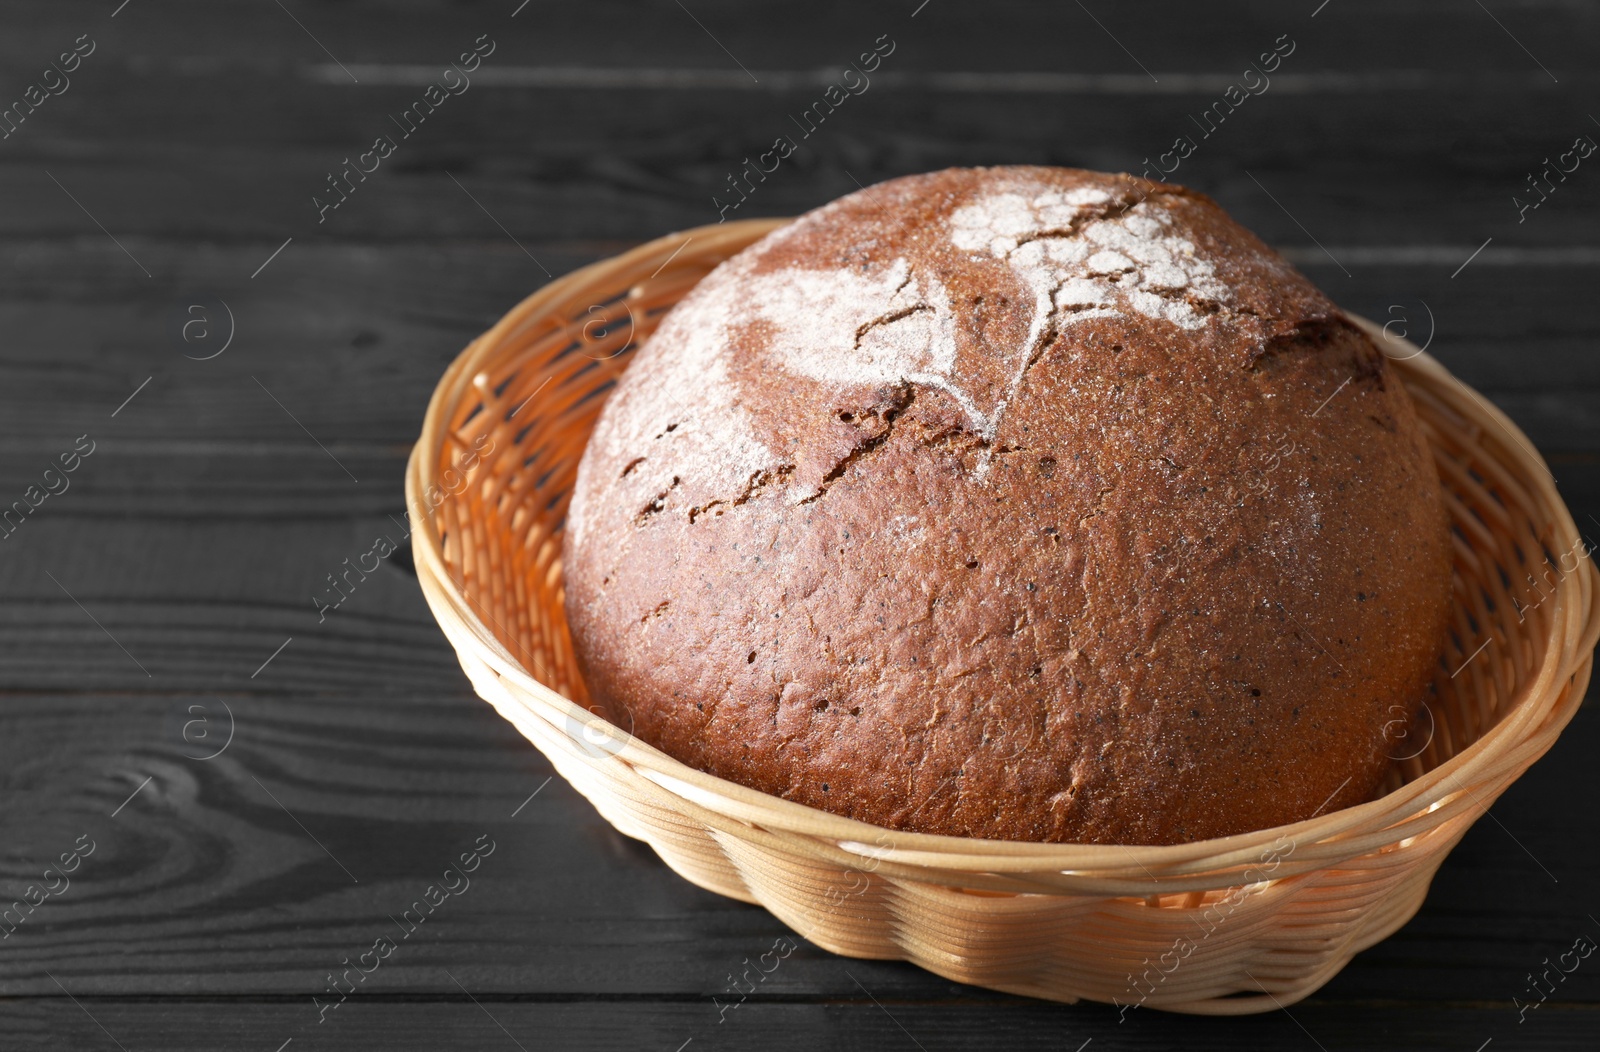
{"points": [[145, 598]]}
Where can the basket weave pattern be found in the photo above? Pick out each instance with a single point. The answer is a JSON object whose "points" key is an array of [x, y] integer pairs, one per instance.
{"points": [[1229, 926]]}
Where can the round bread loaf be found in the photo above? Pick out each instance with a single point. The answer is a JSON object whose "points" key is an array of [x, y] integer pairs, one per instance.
{"points": [[1026, 503]]}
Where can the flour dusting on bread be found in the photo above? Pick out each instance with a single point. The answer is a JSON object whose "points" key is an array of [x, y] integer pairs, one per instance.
{"points": [[1131, 259]]}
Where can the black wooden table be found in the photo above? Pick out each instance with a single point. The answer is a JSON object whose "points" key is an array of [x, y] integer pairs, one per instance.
{"points": [[231, 333]]}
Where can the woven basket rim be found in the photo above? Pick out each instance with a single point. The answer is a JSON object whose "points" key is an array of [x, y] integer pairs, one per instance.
{"points": [[1574, 621]]}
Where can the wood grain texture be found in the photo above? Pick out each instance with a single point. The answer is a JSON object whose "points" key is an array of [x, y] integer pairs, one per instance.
{"points": [[853, 1022], [202, 884], [370, 330], [198, 532]]}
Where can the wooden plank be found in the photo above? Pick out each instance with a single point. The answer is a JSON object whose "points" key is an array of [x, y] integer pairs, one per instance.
{"points": [[296, 484], [862, 1021], [199, 604], [1357, 34], [372, 329], [625, 164], [230, 133], [334, 805]]}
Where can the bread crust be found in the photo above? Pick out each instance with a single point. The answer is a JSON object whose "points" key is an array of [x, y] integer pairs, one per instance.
{"points": [[1026, 503]]}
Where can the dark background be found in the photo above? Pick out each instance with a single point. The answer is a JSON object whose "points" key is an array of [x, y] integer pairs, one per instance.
{"points": [[141, 604]]}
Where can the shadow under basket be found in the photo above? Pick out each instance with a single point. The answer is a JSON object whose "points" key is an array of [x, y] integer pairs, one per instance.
{"points": [[1229, 926]]}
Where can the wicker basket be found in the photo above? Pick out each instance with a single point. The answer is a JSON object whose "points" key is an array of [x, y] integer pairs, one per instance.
{"points": [[1229, 926]]}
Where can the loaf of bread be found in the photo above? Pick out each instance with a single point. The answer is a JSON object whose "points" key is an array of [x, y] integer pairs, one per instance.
{"points": [[1026, 503]]}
